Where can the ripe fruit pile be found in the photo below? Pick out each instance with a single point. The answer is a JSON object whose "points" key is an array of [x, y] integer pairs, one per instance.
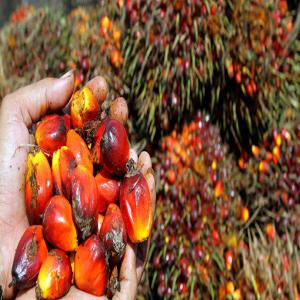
{"points": [[197, 222], [82, 200], [271, 182]]}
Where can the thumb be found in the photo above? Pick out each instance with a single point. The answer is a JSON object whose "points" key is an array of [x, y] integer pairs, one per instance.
{"points": [[33, 101]]}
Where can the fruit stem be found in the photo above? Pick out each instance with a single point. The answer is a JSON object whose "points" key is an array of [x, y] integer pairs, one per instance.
{"points": [[12, 283]]}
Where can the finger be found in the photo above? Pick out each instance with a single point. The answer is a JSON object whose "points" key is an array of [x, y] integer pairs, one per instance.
{"points": [[99, 88], [30, 103], [118, 110], [141, 258], [133, 156], [128, 279], [144, 162], [151, 184]]}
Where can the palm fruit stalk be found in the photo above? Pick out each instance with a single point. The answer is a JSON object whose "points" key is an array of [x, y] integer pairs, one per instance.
{"points": [[196, 228]]}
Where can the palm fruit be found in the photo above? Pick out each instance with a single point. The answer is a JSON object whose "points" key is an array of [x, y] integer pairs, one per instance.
{"points": [[30, 254], [271, 186], [51, 133], [197, 226], [58, 224], [38, 186], [91, 266], [55, 277]]}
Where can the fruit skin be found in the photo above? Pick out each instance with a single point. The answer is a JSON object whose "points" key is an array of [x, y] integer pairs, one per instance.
{"points": [[113, 233], [108, 190], [100, 222], [51, 133], [63, 164], [59, 228], [135, 205], [97, 140], [91, 266], [114, 147], [38, 186], [84, 107], [54, 280], [85, 201], [79, 149], [30, 254]]}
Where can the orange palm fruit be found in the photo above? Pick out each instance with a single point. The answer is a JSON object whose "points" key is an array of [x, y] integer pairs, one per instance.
{"points": [[63, 164], [108, 190], [51, 133], [85, 201], [100, 222], [38, 186], [30, 254], [59, 228], [135, 205], [79, 149], [54, 280], [91, 268], [113, 233], [84, 107], [114, 147]]}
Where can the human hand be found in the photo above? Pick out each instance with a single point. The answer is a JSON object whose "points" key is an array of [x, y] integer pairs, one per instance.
{"points": [[18, 112]]}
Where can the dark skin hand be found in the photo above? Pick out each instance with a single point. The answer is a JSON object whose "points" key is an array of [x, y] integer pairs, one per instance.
{"points": [[18, 112]]}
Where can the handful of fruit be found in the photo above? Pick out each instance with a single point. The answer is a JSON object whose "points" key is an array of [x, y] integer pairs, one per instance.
{"points": [[85, 194]]}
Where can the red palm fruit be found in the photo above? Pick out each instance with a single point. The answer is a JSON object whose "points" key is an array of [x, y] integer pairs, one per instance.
{"points": [[79, 149], [219, 188], [30, 254], [63, 165], [91, 266], [228, 259], [59, 228], [100, 222], [108, 190], [84, 107], [51, 133], [38, 186], [135, 205], [97, 139], [85, 201], [114, 147], [113, 233], [55, 277]]}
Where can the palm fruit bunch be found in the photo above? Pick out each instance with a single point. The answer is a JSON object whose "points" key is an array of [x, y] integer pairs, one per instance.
{"points": [[270, 187], [21, 13], [181, 55], [84, 200], [197, 224], [171, 49], [47, 43], [271, 269], [261, 70]]}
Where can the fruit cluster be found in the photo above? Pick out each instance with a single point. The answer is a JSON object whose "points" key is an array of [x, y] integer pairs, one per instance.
{"points": [[197, 218], [22, 13], [83, 198], [271, 182], [62, 42], [185, 37]]}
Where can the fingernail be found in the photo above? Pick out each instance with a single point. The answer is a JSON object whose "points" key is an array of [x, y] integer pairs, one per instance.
{"points": [[68, 74]]}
